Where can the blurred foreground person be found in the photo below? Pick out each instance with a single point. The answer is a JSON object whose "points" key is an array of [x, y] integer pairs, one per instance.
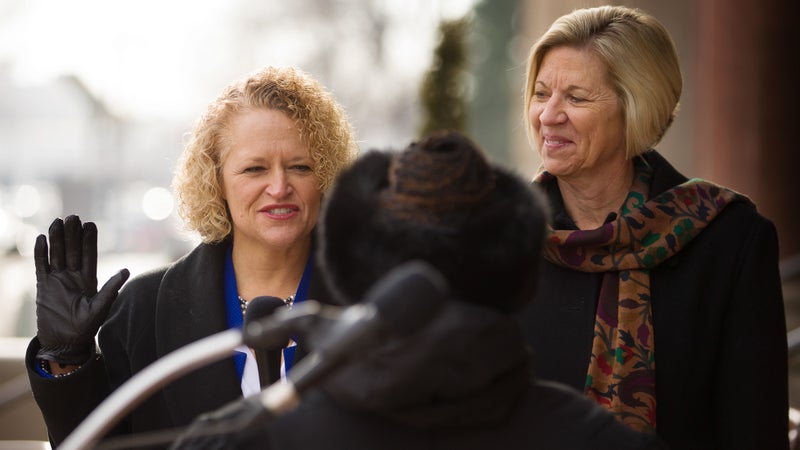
{"points": [[660, 296], [464, 381], [250, 183]]}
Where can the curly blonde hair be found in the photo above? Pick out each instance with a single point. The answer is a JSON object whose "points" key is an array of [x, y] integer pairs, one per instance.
{"points": [[321, 121], [642, 63]]}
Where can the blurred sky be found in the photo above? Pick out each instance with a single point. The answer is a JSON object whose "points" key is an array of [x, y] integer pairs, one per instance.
{"points": [[156, 58]]}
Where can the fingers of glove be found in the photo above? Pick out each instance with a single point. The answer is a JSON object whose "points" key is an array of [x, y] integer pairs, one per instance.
{"points": [[56, 233], [40, 259], [89, 255], [115, 283], [107, 294], [73, 242]]}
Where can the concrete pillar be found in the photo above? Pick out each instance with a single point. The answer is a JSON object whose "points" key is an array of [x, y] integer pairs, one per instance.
{"points": [[747, 90]]}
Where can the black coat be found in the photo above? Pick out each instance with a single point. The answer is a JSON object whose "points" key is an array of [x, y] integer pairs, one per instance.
{"points": [[462, 383], [155, 313], [720, 331]]}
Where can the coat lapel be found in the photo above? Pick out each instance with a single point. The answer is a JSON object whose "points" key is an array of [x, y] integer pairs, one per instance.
{"points": [[191, 306]]}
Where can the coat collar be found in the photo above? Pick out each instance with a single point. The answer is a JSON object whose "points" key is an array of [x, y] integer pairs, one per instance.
{"points": [[665, 176]]}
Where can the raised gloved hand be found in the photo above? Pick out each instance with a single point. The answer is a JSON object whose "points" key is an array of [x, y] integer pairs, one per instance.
{"points": [[69, 309]]}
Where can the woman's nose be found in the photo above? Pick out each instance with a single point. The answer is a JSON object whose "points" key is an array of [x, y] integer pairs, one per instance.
{"points": [[277, 184], [552, 112]]}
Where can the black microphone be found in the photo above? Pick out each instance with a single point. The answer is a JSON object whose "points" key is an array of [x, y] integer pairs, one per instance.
{"points": [[276, 330], [268, 359]]}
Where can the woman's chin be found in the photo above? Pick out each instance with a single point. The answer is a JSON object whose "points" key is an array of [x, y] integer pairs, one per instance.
{"points": [[285, 238]]}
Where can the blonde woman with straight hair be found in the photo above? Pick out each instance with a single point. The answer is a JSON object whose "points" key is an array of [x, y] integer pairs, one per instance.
{"points": [[660, 296]]}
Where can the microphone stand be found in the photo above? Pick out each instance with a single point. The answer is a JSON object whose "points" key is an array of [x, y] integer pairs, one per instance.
{"points": [[269, 366]]}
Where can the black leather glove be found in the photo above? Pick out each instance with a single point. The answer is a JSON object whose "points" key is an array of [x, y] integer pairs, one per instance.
{"points": [[69, 309]]}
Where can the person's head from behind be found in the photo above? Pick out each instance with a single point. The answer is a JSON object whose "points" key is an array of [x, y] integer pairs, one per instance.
{"points": [[263, 153], [441, 201], [617, 56]]}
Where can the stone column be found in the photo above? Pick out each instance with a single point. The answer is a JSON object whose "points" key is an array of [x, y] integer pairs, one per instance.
{"points": [[747, 101]]}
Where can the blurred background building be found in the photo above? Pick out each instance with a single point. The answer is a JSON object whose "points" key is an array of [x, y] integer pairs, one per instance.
{"points": [[96, 97]]}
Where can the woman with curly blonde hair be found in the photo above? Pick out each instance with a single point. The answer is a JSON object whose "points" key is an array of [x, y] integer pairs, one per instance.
{"points": [[250, 183], [319, 121]]}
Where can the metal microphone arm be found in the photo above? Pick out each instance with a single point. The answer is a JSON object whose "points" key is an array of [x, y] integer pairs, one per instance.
{"points": [[151, 378]]}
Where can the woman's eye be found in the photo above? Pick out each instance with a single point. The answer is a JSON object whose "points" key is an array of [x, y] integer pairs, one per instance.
{"points": [[302, 168], [539, 95], [253, 169], [576, 99]]}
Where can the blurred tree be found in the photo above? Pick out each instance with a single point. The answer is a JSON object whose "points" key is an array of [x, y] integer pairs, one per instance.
{"points": [[443, 90]]}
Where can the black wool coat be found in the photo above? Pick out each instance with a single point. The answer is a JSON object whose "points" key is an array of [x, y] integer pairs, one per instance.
{"points": [[156, 313], [720, 331]]}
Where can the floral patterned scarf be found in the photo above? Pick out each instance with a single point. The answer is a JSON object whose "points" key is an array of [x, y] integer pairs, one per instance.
{"points": [[621, 374]]}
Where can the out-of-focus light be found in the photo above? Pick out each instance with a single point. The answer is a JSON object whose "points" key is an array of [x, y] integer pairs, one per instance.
{"points": [[454, 9], [6, 235], [26, 236], [27, 201], [4, 222], [157, 203]]}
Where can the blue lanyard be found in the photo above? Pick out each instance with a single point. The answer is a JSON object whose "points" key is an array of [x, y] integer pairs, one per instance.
{"points": [[233, 309]]}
